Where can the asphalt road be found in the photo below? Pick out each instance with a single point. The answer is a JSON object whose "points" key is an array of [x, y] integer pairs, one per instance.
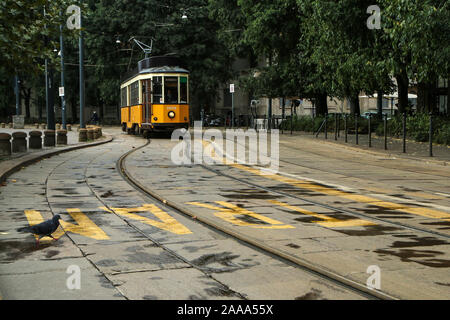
{"points": [[352, 215]]}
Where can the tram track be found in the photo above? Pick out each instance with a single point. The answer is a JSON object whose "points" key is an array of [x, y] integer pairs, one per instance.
{"points": [[257, 244], [329, 207]]}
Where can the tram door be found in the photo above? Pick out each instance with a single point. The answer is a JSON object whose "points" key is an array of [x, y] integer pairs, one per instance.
{"points": [[147, 94]]}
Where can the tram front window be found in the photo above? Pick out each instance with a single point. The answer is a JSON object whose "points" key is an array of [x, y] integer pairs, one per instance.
{"points": [[170, 89]]}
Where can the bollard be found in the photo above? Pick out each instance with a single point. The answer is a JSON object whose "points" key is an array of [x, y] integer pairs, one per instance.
{"points": [[326, 126], [404, 132], [10, 125], [82, 135], [385, 132], [69, 127], [3, 125], [58, 126], [90, 134], [49, 138], [61, 137], [100, 132], [431, 134], [96, 133], [43, 126], [19, 142], [36, 125], [370, 130], [5, 144], [356, 128], [35, 140]]}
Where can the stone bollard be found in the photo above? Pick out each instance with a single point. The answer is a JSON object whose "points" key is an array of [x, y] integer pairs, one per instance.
{"points": [[100, 131], [58, 126], [3, 125], [49, 138], [61, 137], [43, 126], [96, 133], [5, 144], [82, 136], [36, 125], [90, 134], [69, 127], [35, 141], [11, 125], [19, 142]]}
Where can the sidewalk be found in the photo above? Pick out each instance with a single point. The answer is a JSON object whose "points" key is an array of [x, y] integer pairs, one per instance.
{"points": [[414, 150], [72, 139], [13, 163]]}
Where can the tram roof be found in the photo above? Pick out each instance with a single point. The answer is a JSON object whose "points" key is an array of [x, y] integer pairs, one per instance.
{"points": [[157, 65]]}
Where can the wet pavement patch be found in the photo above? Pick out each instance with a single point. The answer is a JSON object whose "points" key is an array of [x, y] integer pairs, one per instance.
{"points": [[373, 230], [314, 294], [15, 250], [408, 255]]}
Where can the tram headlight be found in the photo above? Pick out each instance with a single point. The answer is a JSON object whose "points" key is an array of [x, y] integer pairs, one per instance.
{"points": [[171, 114]]}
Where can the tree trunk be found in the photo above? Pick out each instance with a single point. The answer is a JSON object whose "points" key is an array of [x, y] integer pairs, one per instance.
{"points": [[380, 105], [425, 97], [354, 104], [321, 104], [403, 85], [27, 98]]}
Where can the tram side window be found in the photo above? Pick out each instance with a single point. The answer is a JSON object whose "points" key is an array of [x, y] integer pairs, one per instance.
{"points": [[124, 97], [183, 90], [134, 93], [170, 89], [157, 90]]}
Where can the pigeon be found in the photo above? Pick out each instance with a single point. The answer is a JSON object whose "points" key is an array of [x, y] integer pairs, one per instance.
{"points": [[43, 229]]}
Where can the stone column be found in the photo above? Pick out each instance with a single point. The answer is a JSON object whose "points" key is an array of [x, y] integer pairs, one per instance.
{"points": [[5, 144], [61, 137], [35, 141], [90, 134], [82, 135], [49, 138], [19, 142]]}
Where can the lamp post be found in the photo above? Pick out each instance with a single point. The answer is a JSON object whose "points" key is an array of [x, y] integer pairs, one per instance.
{"points": [[81, 63], [63, 99]]}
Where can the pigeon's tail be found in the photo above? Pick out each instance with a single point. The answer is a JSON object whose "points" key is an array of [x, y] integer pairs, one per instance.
{"points": [[25, 229]]}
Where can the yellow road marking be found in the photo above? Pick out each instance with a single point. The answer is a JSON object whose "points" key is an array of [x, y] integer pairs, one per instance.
{"points": [[425, 212], [167, 222], [85, 225], [329, 221], [230, 211]]}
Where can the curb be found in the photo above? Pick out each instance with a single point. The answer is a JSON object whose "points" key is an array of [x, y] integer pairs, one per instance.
{"points": [[15, 165]]}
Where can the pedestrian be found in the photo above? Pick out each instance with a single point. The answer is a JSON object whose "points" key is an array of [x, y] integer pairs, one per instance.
{"points": [[94, 120]]}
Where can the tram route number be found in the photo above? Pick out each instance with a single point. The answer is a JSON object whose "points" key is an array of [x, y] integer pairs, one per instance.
{"points": [[232, 309]]}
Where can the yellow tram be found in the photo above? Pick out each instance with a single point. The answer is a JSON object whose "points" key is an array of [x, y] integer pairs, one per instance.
{"points": [[155, 97]]}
